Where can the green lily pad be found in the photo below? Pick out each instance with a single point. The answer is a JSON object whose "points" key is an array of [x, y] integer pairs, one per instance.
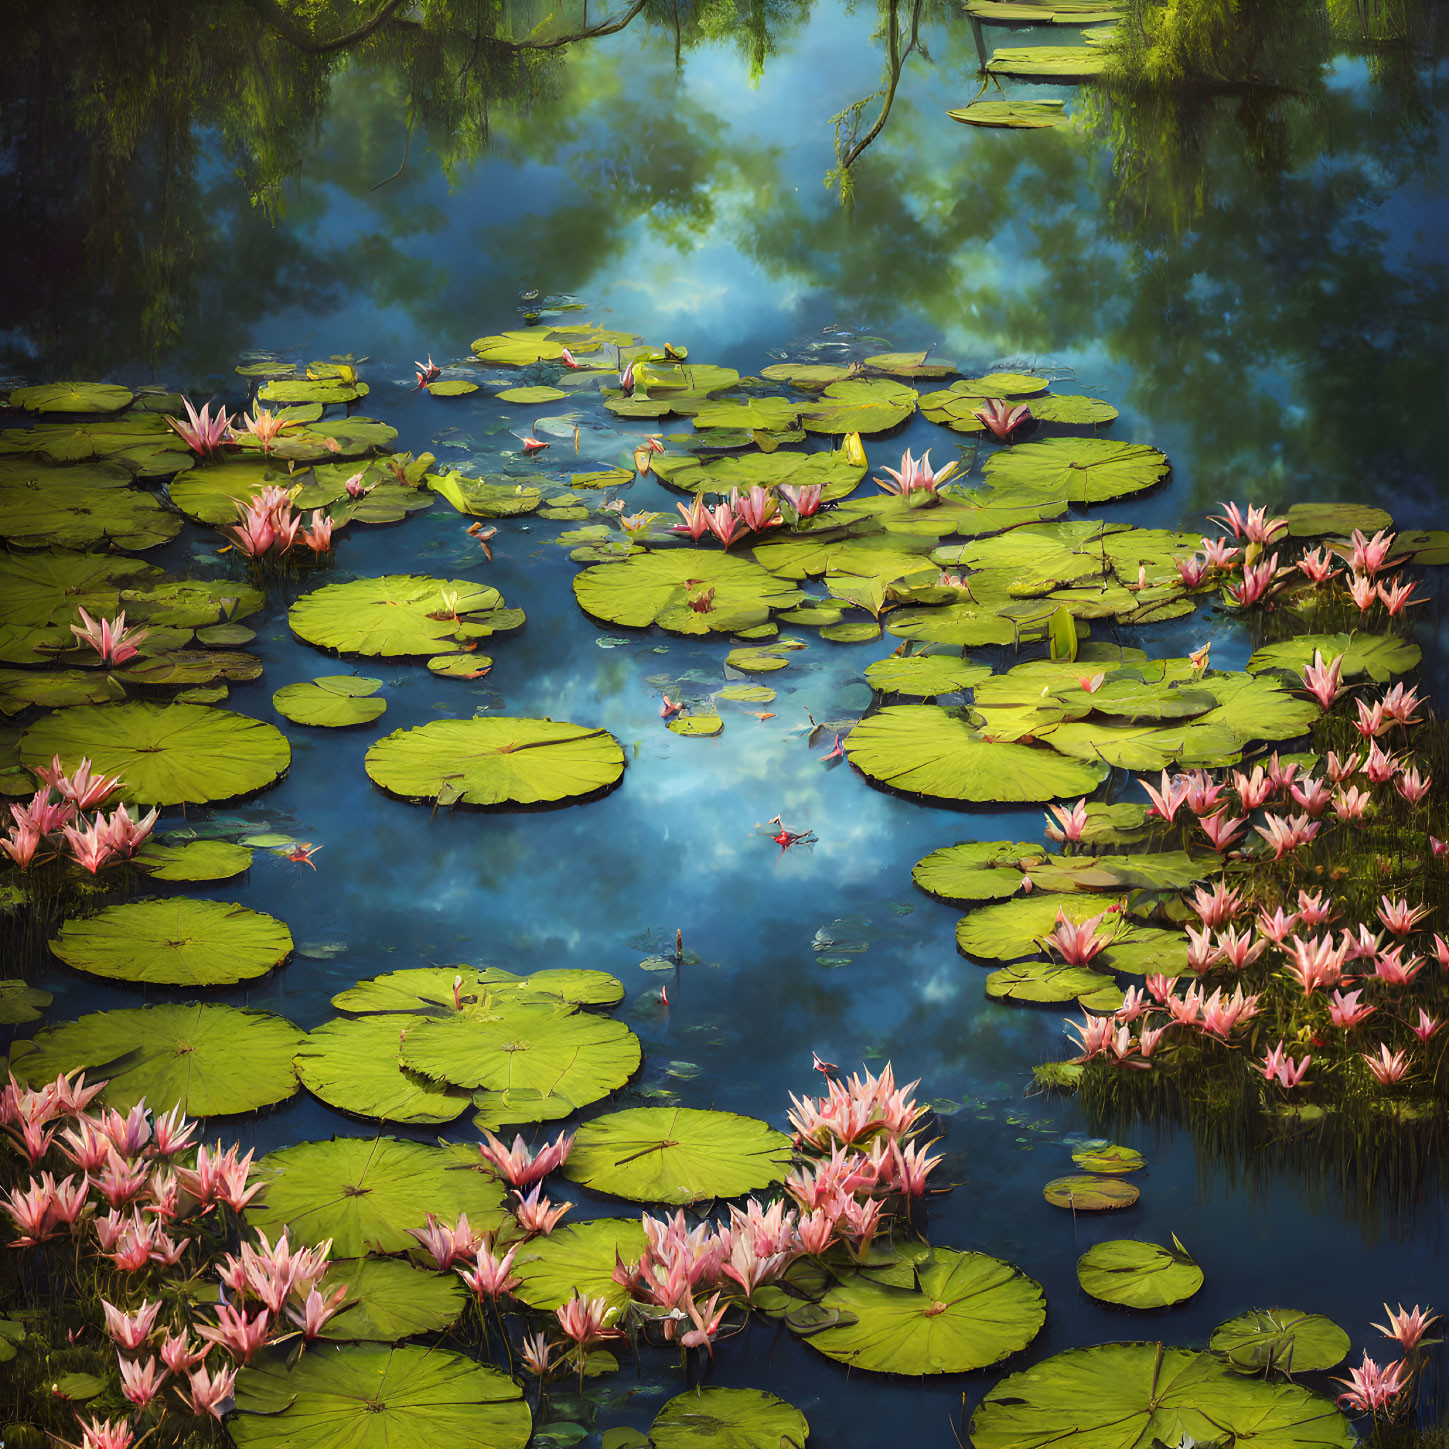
{"points": [[1086, 1194], [166, 754], [213, 1060], [966, 626], [72, 397], [425, 988], [310, 390], [728, 1419], [1072, 409], [1315, 520], [1109, 1159], [42, 589], [852, 631], [1044, 12], [388, 1299], [332, 701], [833, 472], [872, 406], [400, 616], [910, 364], [519, 348], [192, 860], [1047, 981], [1157, 870], [927, 750], [20, 689], [530, 394], [457, 387], [374, 1397], [1011, 929], [1049, 62], [496, 760], [366, 1192], [964, 1311], [924, 676], [696, 724], [1144, 747], [807, 376], [174, 942], [656, 588], [191, 666], [388, 502], [1121, 1395], [211, 494], [20, 1002], [1139, 1275], [975, 870], [1280, 1338], [1379, 656], [75, 516], [746, 693], [139, 444], [194, 603], [354, 1065], [528, 1061], [677, 1155], [1146, 950], [755, 414], [1016, 115], [1083, 470], [579, 1257]]}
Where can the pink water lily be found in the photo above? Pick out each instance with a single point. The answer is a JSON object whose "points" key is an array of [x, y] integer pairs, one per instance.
{"points": [[1371, 1388], [1191, 570], [444, 1244], [428, 371], [1077, 943], [1001, 418], [916, 476], [587, 1320], [1070, 822], [265, 426], [104, 1434], [109, 637], [1312, 796], [1398, 916], [1346, 1011], [1221, 829], [696, 519], [518, 1165], [203, 433], [91, 847], [21, 844], [1253, 790], [1278, 1066], [805, 500], [1407, 1327], [1369, 555], [130, 1330], [757, 510], [1387, 1067], [209, 1393], [535, 1213], [124, 835], [141, 1379], [723, 523], [1400, 703], [1317, 565], [1396, 596], [1363, 591], [318, 535], [1381, 765], [1167, 800], [1219, 553], [1287, 833], [1254, 585]]}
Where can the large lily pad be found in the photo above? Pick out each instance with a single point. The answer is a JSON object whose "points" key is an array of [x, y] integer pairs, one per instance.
{"points": [[579, 1257], [1012, 928], [388, 1299], [333, 701], [1047, 981], [497, 761], [79, 517], [353, 1064], [967, 626], [1378, 656], [929, 750], [872, 406], [728, 1419], [366, 1192], [167, 754], [211, 494], [212, 1059], [480, 499], [836, 475], [1137, 1274], [677, 1154], [1132, 1395], [1015, 115], [1281, 1338], [192, 860], [174, 942], [528, 1061], [40, 593], [372, 1397], [1082, 470], [425, 988], [1083, 1193], [925, 676], [657, 588], [974, 870], [1073, 409], [519, 348], [20, 689], [965, 1311], [72, 397], [400, 616]]}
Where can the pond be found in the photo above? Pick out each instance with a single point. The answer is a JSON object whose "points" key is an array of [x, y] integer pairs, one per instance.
{"points": [[1235, 240]]}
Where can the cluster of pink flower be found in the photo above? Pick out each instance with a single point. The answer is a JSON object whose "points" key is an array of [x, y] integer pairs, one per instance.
{"points": [[742, 513], [91, 845], [1373, 1389], [916, 476], [270, 525], [130, 1193]]}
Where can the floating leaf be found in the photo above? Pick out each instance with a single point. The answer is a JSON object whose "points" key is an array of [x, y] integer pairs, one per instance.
{"points": [[728, 1419], [1072, 409], [975, 870], [755, 414], [518, 349], [73, 516], [1047, 981], [372, 1397], [924, 676], [174, 942], [1086, 1194], [872, 406], [1121, 1395], [1048, 62], [213, 1060], [366, 1192], [457, 387], [20, 1002], [400, 616], [1379, 656], [1012, 928], [746, 693], [354, 1065], [1017, 115], [211, 494], [1138, 1275], [485, 500], [166, 754], [929, 750], [1110, 1159], [530, 394], [1083, 470], [20, 689], [388, 1299], [496, 761], [72, 397], [966, 626], [964, 1311], [332, 701], [1281, 1338], [579, 1257], [192, 860], [1313, 520], [422, 988], [833, 472], [696, 724], [677, 1155]]}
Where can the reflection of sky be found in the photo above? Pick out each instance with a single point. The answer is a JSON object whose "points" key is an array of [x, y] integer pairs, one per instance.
{"points": [[677, 844]]}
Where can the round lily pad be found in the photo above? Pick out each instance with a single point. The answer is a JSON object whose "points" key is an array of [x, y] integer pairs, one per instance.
{"points": [[964, 1311], [728, 1419], [1046, 981], [756, 661], [1072, 410], [833, 472], [925, 676], [212, 1059], [1014, 115], [677, 1154], [1083, 470], [1086, 1194], [174, 942], [1379, 656], [1313, 520], [530, 394], [400, 616], [332, 701], [373, 1397], [167, 754], [1139, 1275], [519, 348], [353, 1065], [696, 724], [1121, 1395], [423, 988], [496, 761], [975, 870], [579, 1257], [76, 516], [1048, 62], [870, 406], [928, 750], [1280, 1338], [192, 860], [20, 1001], [455, 387], [1110, 1159], [72, 397], [388, 1299], [366, 1192], [746, 693], [1013, 928], [53, 688]]}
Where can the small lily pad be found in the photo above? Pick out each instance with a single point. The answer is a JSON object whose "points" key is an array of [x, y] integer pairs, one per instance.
{"points": [[1280, 1338], [728, 1419], [332, 701], [1085, 1193], [696, 724], [1015, 115], [453, 387], [1139, 1275], [21, 1002], [72, 397], [1109, 1159], [192, 860]]}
